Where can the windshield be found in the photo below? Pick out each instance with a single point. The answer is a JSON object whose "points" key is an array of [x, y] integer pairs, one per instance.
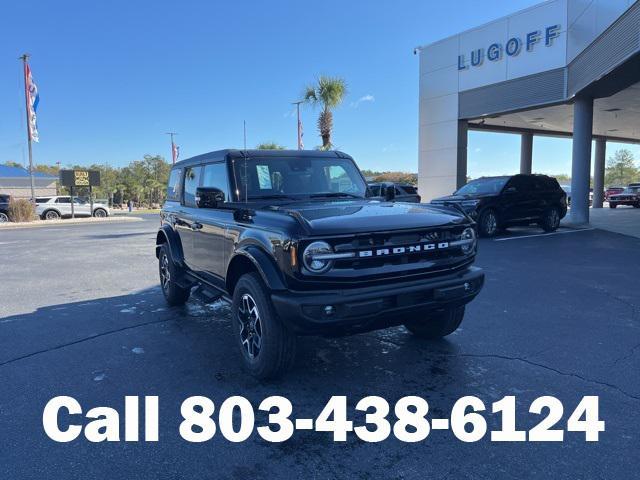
{"points": [[274, 178], [483, 186]]}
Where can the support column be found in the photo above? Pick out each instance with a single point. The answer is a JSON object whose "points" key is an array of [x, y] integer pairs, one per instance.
{"points": [[526, 152], [581, 159], [598, 172], [463, 135]]}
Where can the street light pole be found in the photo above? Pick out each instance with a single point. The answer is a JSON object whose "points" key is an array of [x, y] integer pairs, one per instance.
{"points": [[24, 59], [297, 104]]}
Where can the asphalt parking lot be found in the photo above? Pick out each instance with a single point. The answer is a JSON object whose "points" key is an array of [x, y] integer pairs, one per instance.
{"points": [[81, 315]]}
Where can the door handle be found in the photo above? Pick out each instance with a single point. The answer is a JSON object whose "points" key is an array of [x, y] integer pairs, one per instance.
{"points": [[196, 226]]}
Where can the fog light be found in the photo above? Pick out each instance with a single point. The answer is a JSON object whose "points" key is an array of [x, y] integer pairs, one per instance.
{"points": [[329, 310]]}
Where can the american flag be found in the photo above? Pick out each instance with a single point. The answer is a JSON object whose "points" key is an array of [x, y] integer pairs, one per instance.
{"points": [[300, 135], [33, 98], [175, 152]]}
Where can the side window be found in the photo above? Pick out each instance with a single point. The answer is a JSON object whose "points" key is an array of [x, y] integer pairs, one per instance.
{"points": [[215, 175], [63, 200], [191, 182], [375, 190], [338, 179], [521, 183], [173, 188], [398, 191]]}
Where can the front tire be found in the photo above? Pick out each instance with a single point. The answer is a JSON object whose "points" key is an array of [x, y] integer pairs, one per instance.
{"points": [[100, 213], [551, 220], [51, 215], [173, 293], [437, 325], [267, 346], [488, 223], [4, 217]]}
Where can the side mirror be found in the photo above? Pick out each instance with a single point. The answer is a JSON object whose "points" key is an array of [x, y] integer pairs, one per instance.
{"points": [[511, 190], [209, 197], [390, 194]]}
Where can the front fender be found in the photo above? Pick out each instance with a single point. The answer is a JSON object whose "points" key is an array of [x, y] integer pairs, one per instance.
{"points": [[265, 264]]}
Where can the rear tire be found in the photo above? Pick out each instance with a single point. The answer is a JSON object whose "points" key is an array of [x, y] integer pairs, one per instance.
{"points": [[173, 293], [267, 346], [3, 217], [438, 325], [100, 213], [551, 220], [488, 223], [51, 215]]}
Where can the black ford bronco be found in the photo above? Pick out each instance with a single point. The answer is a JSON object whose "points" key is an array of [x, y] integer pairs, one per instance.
{"points": [[292, 240]]}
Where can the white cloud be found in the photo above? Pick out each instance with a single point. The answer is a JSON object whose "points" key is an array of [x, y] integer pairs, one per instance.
{"points": [[363, 99]]}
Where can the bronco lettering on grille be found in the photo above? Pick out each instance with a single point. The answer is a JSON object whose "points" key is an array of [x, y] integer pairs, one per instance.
{"points": [[383, 252]]}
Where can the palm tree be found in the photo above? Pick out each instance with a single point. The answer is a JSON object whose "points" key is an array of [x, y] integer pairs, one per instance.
{"points": [[329, 92]]}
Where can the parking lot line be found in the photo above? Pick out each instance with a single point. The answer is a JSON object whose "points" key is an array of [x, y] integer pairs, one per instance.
{"points": [[543, 234]]}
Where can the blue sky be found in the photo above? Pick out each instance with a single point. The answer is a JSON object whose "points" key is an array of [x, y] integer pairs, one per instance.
{"points": [[114, 76]]}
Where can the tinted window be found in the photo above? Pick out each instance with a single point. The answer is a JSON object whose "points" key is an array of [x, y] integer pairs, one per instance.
{"points": [[410, 190], [483, 186], [4, 198], [191, 182], [173, 189], [215, 175], [522, 183], [63, 200], [43, 200], [375, 190]]}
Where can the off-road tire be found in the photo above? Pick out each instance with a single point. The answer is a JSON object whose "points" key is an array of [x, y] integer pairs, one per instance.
{"points": [[173, 293], [437, 325], [550, 220], [488, 225], [277, 344]]}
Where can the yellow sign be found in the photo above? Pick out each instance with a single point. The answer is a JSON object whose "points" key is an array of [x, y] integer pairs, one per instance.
{"points": [[81, 178]]}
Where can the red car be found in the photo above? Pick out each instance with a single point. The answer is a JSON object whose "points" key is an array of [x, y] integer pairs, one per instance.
{"points": [[612, 191], [630, 196]]}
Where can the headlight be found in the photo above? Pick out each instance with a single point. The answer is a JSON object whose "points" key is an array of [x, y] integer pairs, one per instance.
{"points": [[468, 240], [312, 257]]}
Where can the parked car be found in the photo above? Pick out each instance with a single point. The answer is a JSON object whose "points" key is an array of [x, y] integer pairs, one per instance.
{"points": [[612, 191], [500, 202], [4, 207], [567, 189], [400, 192], [629, 196], [53, 208], [292, 241]]}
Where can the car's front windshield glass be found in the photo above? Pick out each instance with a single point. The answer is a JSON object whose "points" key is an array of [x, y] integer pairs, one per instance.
{"points": [[483, 186], [293, 178]]}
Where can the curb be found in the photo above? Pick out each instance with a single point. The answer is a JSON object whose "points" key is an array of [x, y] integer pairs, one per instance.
{"points": [[64, 222]]}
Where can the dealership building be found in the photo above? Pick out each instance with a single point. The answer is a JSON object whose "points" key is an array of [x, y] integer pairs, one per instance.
{"points": [[567, 68]]}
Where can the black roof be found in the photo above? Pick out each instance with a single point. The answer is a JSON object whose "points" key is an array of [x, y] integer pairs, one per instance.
{"points": [[230, 153]]}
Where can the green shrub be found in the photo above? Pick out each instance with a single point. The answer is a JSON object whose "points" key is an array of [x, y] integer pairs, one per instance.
{"points": [[21, 210]]}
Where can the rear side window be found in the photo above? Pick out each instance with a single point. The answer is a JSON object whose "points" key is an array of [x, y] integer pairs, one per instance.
{"points": [[522, 183], [191, 183], [215, 175], [43, 200], [4, 198], [410, 190], [173, 188], [63, 200]]}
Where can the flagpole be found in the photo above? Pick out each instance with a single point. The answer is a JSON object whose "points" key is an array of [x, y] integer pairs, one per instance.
{"points": [[297, 104], [24, 58]]}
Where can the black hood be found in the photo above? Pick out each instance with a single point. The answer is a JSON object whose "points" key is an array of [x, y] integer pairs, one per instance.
{"points": [[333, 218]]}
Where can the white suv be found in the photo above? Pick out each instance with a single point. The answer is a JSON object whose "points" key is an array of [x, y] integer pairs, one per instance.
{"points": [[53, 208]]}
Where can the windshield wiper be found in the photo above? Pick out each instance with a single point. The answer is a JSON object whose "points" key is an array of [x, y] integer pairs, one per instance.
{"points": [[275, 196], [334, 194]]}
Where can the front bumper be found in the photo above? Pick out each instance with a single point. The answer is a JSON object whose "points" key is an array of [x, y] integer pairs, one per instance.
{"points": [[368, 308]]}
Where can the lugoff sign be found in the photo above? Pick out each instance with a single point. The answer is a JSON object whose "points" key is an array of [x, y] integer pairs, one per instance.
{"points": [[511, 48], [80, 178]]}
